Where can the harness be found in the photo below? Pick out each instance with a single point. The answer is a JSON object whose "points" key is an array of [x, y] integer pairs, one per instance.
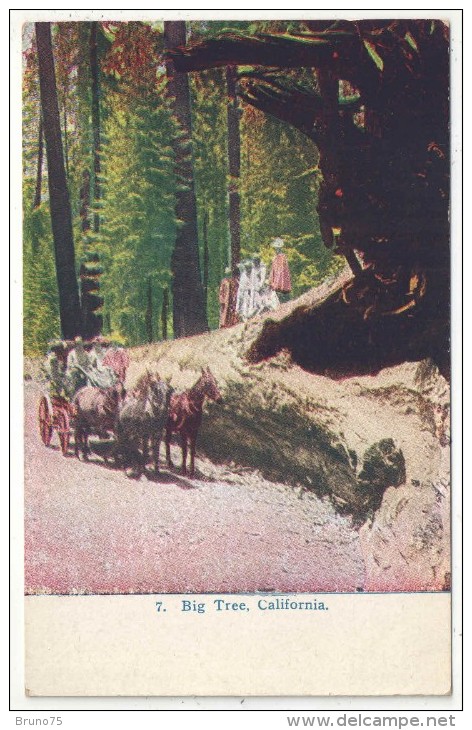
{"points": [[184, 407]]}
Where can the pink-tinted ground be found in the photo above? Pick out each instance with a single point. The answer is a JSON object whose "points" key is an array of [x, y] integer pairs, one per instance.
{"points": [[90, 529]]}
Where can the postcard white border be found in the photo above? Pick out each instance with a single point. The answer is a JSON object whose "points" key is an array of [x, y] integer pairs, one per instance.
{"points": [[20, 702]]}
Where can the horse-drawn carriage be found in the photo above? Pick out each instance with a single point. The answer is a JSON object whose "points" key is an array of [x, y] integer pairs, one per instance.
{"points": [[54, 414], [55, 408], [68, 367], [86, 397]]}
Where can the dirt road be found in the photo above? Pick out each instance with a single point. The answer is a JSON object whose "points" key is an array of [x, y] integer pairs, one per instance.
{"points": [[90, 529]]}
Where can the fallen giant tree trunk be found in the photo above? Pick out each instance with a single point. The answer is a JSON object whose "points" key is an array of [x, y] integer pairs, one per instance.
{"points": [[305, 429]]}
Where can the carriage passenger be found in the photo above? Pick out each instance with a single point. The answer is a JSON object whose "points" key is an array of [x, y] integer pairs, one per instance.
{"points": [[78, 367], [100, 374], [97, 352], [54, 368], [78, 357], [117, 359]]}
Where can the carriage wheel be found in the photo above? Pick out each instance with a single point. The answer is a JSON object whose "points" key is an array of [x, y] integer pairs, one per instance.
{"points": [[45, 421], [63, 431]]}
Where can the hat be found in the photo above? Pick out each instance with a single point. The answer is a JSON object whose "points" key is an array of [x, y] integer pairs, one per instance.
{"points": [[55, 344], [277, 243]]}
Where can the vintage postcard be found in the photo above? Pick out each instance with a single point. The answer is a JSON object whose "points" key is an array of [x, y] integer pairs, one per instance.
{"points": [[236, 328]]}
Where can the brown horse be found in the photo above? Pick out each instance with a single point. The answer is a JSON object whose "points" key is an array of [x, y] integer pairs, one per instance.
{"points": [[95, 411], [185, 416], [140, 422]]}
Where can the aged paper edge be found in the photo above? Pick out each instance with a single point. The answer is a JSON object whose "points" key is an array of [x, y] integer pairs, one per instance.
{"points": [[33, 617], [367, 644]]}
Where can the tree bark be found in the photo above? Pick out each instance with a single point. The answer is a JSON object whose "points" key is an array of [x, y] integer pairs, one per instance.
{"points": [[206, 259], [94, 72], [148, 318], [279, 51], [39, 171], [234, 160], [188, 300], [61, 218], [165, 313], [66, 140]]}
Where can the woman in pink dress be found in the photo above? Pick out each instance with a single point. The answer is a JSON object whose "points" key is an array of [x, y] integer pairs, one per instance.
{"points": [[279, 279]]}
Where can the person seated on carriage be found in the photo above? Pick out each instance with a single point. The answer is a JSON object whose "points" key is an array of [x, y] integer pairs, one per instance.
{"points": [[98, 351], [87, 368], [102, 374], [54, 368], [117, 359], [78, 366]]}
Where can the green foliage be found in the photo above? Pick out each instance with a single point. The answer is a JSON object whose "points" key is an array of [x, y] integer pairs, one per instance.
{"points": [[40, 297], [372, 51], [278, 184], [411, 41], [138, 226], [279, 190], [41, 300], [211, 176]]}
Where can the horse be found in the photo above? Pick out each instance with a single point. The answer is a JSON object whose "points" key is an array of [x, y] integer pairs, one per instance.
{"points": [[141, 420], [185, 416], [95, 412]]}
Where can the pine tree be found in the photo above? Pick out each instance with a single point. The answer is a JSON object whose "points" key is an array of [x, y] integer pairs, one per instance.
{"points": [[234, 164], [138, 224], [61, 218], [188, 301]]}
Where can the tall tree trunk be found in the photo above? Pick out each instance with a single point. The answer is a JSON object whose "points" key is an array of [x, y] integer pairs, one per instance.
{"points": [[234, 159], [94, 72], [85, 200], [61, 218], [165, 312], [92, 323], [188, 300], [66, 140], [39, 171], [329, 135], [148, 317], [206, 259]]}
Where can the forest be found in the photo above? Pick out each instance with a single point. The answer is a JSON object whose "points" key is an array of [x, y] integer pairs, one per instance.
{"points": [[127, 159]]}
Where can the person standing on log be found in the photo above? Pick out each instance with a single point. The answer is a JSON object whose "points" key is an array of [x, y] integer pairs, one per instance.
{"points": [[244, 290], [280, 280], [227, 298], [258, 280]]}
